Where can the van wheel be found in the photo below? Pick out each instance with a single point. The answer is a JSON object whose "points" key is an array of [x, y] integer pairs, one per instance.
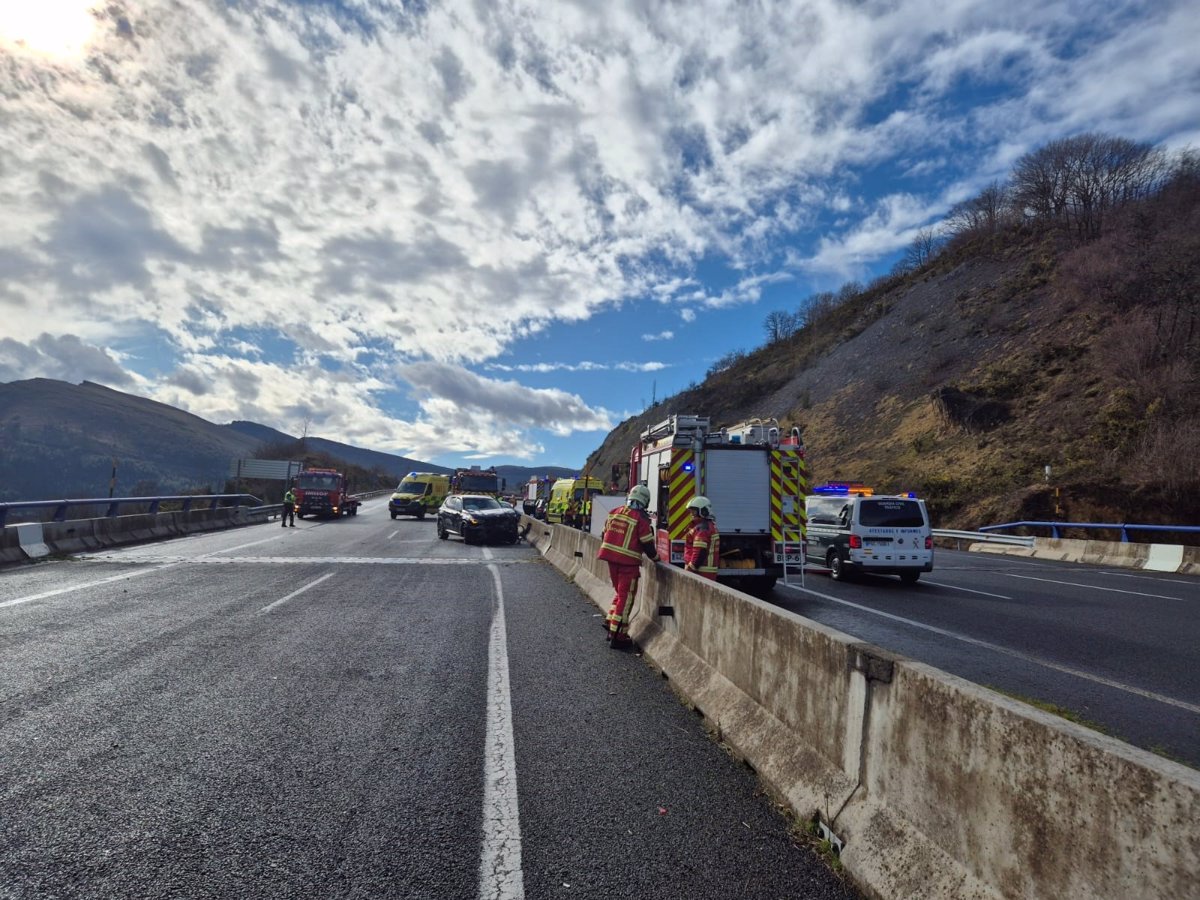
{"points": [[838, 570], [393, 515], [910, 577]]}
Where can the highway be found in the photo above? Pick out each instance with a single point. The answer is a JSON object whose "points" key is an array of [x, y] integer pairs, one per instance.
{"points": [[354, 708], [1117, 648]]}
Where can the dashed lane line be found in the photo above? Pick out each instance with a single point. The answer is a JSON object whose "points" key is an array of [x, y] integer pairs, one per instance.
{"points": [[298, 592], [1092, 587], [83, 587], [955, 587]]}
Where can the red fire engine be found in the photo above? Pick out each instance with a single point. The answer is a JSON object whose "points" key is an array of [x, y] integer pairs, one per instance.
{"points": [[755, 478]]}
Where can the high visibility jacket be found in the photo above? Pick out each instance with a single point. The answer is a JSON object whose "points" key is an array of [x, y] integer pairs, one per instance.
{"points": [[289, 497], [627, 535], [702, 547]]}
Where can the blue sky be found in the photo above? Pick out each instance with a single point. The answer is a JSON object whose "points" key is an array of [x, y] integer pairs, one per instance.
{"points": [[465, 231]]}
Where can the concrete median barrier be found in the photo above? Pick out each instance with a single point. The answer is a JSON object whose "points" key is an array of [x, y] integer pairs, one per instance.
{"points": [[1128, 555], [935, 787]]}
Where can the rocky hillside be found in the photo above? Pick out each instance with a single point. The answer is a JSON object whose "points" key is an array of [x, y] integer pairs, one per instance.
{"points": [[1016, 346]]}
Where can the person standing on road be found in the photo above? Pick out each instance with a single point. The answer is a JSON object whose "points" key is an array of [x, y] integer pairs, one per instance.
{"points": [[628, 535], [289, 508], [702, 543]]}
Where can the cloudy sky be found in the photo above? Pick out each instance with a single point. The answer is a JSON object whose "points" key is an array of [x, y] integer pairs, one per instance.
{"points": [[492, 229]]}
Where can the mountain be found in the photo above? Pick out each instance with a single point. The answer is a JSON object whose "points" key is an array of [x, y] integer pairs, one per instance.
{"points": [[1023, 344], [60, 440]]}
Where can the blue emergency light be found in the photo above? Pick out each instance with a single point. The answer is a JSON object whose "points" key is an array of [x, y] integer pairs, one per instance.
{"points": [[687, 466]]}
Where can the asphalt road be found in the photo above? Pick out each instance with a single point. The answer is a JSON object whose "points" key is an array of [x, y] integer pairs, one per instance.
{"points": [[355, 709], [1117, 648]]}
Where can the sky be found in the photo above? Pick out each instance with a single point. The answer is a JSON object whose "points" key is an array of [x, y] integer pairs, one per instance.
{"points": [[490, 230]]}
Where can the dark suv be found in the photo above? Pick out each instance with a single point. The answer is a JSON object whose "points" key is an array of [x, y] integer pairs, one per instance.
{"points": [[478, 518]]}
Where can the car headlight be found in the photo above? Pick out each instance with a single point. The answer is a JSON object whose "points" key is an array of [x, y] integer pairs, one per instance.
{"points": [[470, 520]]}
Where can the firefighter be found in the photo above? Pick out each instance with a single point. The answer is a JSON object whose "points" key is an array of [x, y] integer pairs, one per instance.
{"points": [[627, 535], [289, 508], [702, 544]]}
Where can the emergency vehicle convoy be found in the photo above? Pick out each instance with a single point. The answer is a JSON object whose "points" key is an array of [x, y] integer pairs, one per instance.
{"points": [[756, 479], [324, 493], [476, 481]]}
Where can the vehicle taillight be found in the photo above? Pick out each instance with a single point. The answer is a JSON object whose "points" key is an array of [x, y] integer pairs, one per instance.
{"points": [[855, 542], [928, 543]]}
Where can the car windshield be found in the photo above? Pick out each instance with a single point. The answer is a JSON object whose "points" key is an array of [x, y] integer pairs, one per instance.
{"points": [[409, 486], [891, 513], [825, 510], [478, 483], [481, 503]]}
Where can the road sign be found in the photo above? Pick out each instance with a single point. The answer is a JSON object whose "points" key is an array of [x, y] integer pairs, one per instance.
{"points": [[268, 469]]}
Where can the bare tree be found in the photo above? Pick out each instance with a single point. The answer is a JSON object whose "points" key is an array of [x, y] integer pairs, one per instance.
{"points": [[924, 247], [985, 213], [779, 325]]}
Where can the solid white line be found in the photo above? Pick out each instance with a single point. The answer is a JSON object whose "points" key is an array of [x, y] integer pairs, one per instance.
{"points": [[297, 593], [1091, 587], [277, 537], [500, 875], [392, 535], [83, 587], [955, 587], [1008, 651]]}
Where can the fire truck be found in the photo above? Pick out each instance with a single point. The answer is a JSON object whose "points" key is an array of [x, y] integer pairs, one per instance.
{"points": [[476, 481], [324, 493], [535, 489], [756, 479]]}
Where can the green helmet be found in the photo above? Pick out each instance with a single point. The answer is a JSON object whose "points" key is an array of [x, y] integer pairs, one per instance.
{"points": [[702, 506], [639, 494]]}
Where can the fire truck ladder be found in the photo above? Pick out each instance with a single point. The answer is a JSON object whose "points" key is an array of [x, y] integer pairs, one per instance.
{"points": [[793, 545]]}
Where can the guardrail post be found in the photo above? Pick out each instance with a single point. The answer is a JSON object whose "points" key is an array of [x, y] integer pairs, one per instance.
{"points": [[187, 505], [1124, 535], [1054, 531], [60, 512], [154, 506], [112, 509]]}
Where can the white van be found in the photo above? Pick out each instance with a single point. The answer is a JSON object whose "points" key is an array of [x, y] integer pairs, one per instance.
{"points": [[880, 535]]}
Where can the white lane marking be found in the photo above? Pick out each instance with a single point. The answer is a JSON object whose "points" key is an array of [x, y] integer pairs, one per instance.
{"points": [[392, 535], [277, 537], [297, 593], [84, 587], [1092, 587], [500, 875], [1008, 651], [320, 560], [488, 554], [955, 587]]}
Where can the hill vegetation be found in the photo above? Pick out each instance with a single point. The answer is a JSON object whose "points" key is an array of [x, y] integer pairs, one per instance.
{"points": [[1053, 321]]}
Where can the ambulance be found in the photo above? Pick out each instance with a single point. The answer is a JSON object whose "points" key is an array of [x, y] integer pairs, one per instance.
{"points": [[419, 493]]}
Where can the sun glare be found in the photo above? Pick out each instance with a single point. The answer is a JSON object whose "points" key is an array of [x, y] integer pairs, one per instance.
{"points": [[59, 29]]}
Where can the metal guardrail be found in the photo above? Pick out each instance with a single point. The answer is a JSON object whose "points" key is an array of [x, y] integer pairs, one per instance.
{"points": [[1123, 527], [114, 504], [1015, 540]]}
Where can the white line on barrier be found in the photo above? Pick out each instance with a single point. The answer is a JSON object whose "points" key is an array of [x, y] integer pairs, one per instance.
{"points": [[297, 593], [955, 587], [500, 875], [1091, 587], [1008, 651], [90, 584]]}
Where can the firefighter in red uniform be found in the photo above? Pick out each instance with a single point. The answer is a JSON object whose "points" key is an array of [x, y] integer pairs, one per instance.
{"points": [[702, 544], [627, 535]]}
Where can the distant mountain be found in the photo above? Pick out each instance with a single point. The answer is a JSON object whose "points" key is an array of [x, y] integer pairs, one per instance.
{"points": [[59, 440]]}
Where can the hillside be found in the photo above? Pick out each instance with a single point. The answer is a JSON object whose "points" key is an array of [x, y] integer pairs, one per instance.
{"points": [[1012, 349], [59, 439]]}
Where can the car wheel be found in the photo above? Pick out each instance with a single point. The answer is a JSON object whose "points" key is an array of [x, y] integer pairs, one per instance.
{"points": [[837, 568], [442, 533], [910, 577], [393, 514]]}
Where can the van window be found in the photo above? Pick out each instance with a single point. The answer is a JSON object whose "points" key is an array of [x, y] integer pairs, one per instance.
{"points": [[888, 512], [825, 510]]}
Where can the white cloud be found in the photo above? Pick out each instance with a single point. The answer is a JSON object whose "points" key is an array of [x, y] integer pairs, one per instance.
{"points": [[431, 183], [661, 336], [585, 366]]}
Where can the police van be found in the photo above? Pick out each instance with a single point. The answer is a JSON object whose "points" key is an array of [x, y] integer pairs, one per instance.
{"points": [[852, 531]]}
